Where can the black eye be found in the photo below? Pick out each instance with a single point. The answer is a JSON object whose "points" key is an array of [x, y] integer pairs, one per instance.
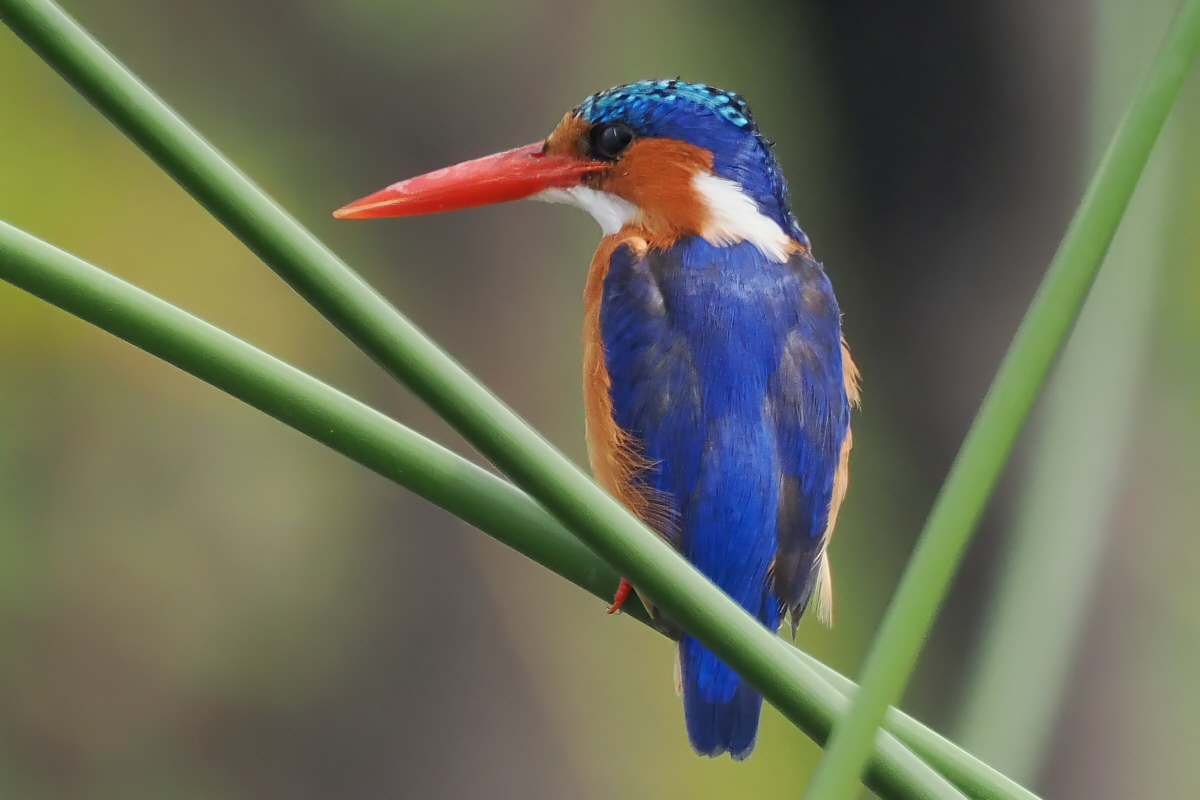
{"points": [[609, 139]]}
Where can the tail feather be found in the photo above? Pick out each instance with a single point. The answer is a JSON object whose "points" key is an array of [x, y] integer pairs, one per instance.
{"points": [[721, 709], [823, 594]]}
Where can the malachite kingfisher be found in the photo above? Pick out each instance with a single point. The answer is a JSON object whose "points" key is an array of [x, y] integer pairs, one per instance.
{"points": [[717, 383]]}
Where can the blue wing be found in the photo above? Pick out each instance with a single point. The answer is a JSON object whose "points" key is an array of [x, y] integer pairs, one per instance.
{"points": [[726, 370]]}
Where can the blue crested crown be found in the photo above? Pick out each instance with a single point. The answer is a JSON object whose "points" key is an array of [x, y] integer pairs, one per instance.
{"points": [[647, 99], [707, 117]]}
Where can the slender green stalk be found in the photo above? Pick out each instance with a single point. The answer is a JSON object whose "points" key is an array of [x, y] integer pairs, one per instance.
{"points": [[384, 446], [304, 403], [394, 451], [343, 298], [1078, 468], [989, 442], [382, 332], [973, 777]]}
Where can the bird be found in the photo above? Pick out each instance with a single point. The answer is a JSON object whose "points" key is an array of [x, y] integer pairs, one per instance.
{"points": [[717, 382]]}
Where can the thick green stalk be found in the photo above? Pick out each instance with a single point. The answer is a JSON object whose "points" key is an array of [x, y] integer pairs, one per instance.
{"points": [[989, 442], [304, 403], [389, 448], [386, 447], [378, 329], [974, 778]]}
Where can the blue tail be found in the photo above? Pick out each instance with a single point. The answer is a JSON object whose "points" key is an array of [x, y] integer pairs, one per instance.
{"points": [[729, 526], [720, 708]]}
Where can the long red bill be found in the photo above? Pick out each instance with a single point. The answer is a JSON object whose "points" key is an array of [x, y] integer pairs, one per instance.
{"points": [[511, 175]]}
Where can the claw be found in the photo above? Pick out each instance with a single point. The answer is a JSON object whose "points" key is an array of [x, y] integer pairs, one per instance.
{"points": [[620, 597]]}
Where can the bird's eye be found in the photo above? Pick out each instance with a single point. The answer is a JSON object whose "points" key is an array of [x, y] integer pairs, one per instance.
{"points": [[609, 139]]}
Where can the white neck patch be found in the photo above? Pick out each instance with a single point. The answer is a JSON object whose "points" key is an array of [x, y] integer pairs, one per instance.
{"points": [[734, 217], [610, 211]]}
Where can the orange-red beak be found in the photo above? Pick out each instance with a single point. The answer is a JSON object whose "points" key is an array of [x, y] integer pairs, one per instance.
{"points": [[511, 175]]}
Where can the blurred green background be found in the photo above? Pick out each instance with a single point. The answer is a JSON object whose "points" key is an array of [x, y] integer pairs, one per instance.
{"points": [[196, 602]]}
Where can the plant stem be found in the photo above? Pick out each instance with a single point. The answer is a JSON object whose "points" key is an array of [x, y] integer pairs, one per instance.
{"points": [[343, 298], [386, 447], [977, 468], [356, 309], [1078, 467], [394, 451], [973, 777], [304, 403]]}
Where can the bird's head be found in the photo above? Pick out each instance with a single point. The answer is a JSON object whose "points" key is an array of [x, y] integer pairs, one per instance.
{"points": [[671, 158]]}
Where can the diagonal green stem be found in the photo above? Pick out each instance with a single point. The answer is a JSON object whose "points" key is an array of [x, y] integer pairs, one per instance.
{"points": [[394, 451], [989, 442], [304, 403], [1079, 462], [378, 329], [391, 450], [973, 777]]}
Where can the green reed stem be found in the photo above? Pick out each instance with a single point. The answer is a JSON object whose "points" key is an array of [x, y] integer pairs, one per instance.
{"points": [[389, 448], [956, 512], [972, 776], [343, 298], [1078, 465], [304, 403]]}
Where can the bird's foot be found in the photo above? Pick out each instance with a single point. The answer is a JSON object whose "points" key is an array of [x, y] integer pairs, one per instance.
{"points": [[620, 597]]}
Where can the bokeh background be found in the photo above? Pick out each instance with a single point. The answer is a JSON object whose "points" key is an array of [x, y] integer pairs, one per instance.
{"points": [[196, 602]]}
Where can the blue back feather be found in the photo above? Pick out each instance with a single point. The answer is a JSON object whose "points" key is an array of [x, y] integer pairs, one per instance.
{"points": [[726, 369]]}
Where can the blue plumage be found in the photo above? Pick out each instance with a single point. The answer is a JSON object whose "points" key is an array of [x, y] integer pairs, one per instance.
{"points": [[624, 102], [716, 385], [726, 369]]}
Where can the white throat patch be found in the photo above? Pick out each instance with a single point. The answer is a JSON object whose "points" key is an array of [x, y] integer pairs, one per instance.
{"points": [[610, 211], [734, 217]]}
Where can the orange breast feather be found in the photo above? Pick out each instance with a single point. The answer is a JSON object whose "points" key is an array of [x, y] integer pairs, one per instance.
{"points": [[614, 457]]}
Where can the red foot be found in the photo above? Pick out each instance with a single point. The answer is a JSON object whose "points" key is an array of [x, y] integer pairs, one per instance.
{"points": [[620, 597]]}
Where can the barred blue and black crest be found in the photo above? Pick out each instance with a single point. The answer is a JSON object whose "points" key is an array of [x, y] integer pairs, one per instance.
{"points": [[639, 101]]}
